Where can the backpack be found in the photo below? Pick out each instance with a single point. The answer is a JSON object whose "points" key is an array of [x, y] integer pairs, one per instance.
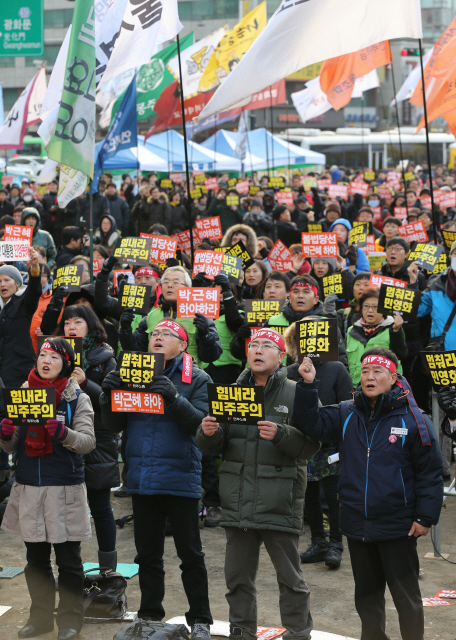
{"points": [[146, 629]]}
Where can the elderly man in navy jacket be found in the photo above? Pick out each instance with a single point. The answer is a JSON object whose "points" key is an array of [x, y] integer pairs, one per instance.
{"points": [[390, 485], [164, 475]]}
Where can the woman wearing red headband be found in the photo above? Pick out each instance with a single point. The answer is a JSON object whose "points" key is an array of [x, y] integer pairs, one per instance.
{"points": [[48, 501]]}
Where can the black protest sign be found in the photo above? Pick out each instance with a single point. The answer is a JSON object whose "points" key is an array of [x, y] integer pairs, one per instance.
{"points": [[398, 300], [442, 263], [30, 406], [370, 226], [449, 237], [441, 366], [133, 250], [358, 235], [314, 227], [69, 277], [135, 297], [425, 254], [137, 369], [258, 311], [231, 267], [236, 404], [76, 343], [240, 251], [335, 283], [317, 339]]}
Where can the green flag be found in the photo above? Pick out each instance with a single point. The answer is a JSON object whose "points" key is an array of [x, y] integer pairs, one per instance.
{"points": [[152, 78], [73, 141]]}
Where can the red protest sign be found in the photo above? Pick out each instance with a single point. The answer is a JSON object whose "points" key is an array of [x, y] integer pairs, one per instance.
{"points": [[437, 196], [338, 191], [426, 202], [377, 211], [211, 183], [280, 258], [242, 187], [284, 197], [384, 192], [191, 300], [209, 228], [182, 239], [17, 232], [445, 593], [162, 248], [400, 213], [448, 200], [176, 177], [129, 274], [436, 602], [323, 184], [268, 633], [376, 280], [359, 187], [413, 231], [7, 179], [319, 245], [370, 247], [137, 402], [209, 262], [97, 264]]}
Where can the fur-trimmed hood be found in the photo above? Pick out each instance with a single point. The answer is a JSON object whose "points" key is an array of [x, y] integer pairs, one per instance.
{"points": [[252, 240]]}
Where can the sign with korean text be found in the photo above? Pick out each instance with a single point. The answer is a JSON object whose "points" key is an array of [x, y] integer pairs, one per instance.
{"points": [[335, 283], [232, 183], [14, 250], [447, 199], [236, 404], [338, 191], [284, 197], [231, 267], [276, 183], [359, 187], [212, 184], [199, 178], [314, 227], [196, 193], [30, 407], [209, 228], [448, 236], [69, 277], [398, 300], [232, 201], [323, 184], [18, 232], [8, 179], [426, 202], [437, 195], [441, 366], [377, 211], [176, 177], [97, 266], [442, 263], [370, 246], [76, 343], [253, 189], [369, 174], [208, 262], [413, 232], [133, 250], [240, 251], [369, 227], [259, 311], [409, 176], [400, 213], [204, 300], [319, 245], [130, 278], [136, 402], [243, 187], [358, 235], [166, 183], [376, 281], [280, 257], [136, 369], [446, 593], [425, 254], [435, 602], [384, 192], [376, 260], [22, 28], [317, 339], [162, 248], [135, 297], [182, 239]]}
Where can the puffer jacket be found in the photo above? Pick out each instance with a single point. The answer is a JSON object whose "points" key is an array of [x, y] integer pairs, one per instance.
{"points": [[252, 242], [262, 482], [385, 483], [162, 456], [40, 237], [435, 301], [362, 263]]}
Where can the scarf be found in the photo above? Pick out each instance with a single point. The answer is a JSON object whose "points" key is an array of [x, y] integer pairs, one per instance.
{"points": [[369, 329], [88, 343], [38, 442], [450, 287]]}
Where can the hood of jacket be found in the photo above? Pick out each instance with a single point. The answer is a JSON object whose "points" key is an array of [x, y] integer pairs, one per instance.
{"points": [[343, 221], [252, 242], [294, 316], [20, 292], [31, 211], [99, 354], [386, 402], [113, 222]]}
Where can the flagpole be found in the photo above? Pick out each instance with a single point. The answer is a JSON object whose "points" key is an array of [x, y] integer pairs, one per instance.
{"points": [[428, 146], [400, 137], [266, 139], [247, 124], [288, 140], [362, 130], [272, 125], [167, 146], [187, 172], [215, 149], [91, 230]]}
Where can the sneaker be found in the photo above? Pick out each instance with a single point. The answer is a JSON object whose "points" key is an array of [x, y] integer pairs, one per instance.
{"points": [[334, 556], [122, 492], [213, 517], [237, 633], [316, 551], [201, 631]]}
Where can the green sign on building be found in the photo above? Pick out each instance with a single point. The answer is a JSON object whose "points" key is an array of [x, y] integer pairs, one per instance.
{"points": [[22, 28]]}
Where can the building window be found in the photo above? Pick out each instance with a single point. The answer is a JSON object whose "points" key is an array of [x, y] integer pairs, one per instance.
{"points": [[208, 10], [58, 18], [9, 98], [7, 62]]}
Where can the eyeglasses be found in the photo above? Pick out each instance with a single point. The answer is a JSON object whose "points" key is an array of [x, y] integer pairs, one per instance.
{"points": [[266, 346], [370, 307], [176, 282], [164, 334]]}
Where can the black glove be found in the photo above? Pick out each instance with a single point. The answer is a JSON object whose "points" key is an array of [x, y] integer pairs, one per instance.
{"points": [[352, 255], [314, 191], [200, 280], [112, 381], [243, 333], [122, 277], [126, 320], [108, 264], [222, 281], [172, 262], [59, 295], [447, 401], [164, 386], [201, 324]]}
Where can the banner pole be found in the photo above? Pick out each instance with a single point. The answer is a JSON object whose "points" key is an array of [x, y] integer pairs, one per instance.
{"points": [[400, 137], [428, 146], [215, 148], [91, 230], [288, 142], [272, 127], [266, 139], [187, 172]]}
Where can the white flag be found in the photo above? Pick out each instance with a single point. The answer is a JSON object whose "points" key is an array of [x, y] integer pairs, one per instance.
{"points": [[71, 184], [409, 86], [37, 97], [303, 32], [240, 151], [13, 129]]}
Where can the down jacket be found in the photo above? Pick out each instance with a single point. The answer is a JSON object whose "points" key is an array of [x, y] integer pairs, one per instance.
{"points": [[436, 301], [40, 237]]}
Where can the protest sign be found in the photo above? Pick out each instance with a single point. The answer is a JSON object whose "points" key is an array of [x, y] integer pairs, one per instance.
{"points": [[280, 257], [212, 184], [435, 602], [200, 178], [317, 339], [398, 300], [445, 593], [196, 193], [232, 200], [204, 300], [400, 213], [338, 191], [18, 232], [14, 250], [307, 183], [7, 179], [320, 245], [135, 297], [209, 228], [176, 177], [441, 366], [377, 211], [276, 183], [426, 202], [314, 227], [166, 183], [358, 235], [447, 199], [243, 187], [208, 262], [258, 311], [335, 283], [127, 272], [376, 280], [133, 250], [437, 195], [370, 246], [369, 175], [442, 263], [231, 267], [97, 265], [76, 343], [161, 249], [30, 407], [240, 251], [426, 255], [136, 369], [359, 187], [268, 633], [323, 184], [136, 402], [182, 239], [284, 197], [449, 237], [409, 176], [232, 183], [236, 403], [368, 224], [69, 277], [253, 190], [413, 232], [384, 192]]}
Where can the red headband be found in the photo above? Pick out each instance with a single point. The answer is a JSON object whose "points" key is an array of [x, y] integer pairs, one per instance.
{"points": [[47, 346], [383, 362], [305, 285], [271, 335], [147, 272], [174, 327]]}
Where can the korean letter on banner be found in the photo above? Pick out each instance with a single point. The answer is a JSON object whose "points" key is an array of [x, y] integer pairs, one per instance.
{"points": [[212, 184], [335, 283], [176, 177], [137, 402], [319, 245], [448, 236], [182, 239], [166, 183], [236, 404], [135, 297], [436, 602], [376, 281], [276, 183], [338, 191], [13, 250], [426, 202], [359, 187], [253, 189], [377, 213], [384, 192], [259, 311], [369, 175], [280, 257], [243, 187], [400, 213], [358, 236], [240, 251], [446, 593], [199, 178], [196, 193], [204, 300], [133, 250], [17, 232], [162, 248], [314, 227], [209, 228], [376, 260], [232, 201], [397, 300], [231, 267], [447, 199], [370, 247], [30, 407], [317, 339], [69, 277], [284, 197], [323, 184], [425, 254], [76, 343], [442, 263], [136, 369], [441, 366], [369, 226], [97, 266], [413, 232], [208, 262]]}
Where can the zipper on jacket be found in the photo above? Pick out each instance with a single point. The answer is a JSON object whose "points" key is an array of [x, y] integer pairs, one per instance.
{"points": [[72, 462], [403, 485], [369, 447]]}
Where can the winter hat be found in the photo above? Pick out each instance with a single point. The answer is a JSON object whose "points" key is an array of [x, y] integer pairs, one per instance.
{"points": [[330, 261], [336, 175], [333, 206], [256, 203], [12, 272], [278, 211], [28, 191]]}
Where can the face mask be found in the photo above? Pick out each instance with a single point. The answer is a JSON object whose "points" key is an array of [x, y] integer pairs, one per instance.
{"points": [[453, 263], [373, 203], [46, 287], [28, 198]]}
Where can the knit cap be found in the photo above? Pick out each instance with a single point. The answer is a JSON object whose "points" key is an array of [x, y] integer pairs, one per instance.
{"points": [[12, 272]]}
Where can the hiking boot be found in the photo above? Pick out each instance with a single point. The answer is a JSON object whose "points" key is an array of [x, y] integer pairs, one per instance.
{"points": [[122, 492], [201, 631], [213, 517], [237, 633], [316, 551], [334, 555]]}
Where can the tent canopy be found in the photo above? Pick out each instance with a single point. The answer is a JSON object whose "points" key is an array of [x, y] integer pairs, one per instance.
{"points": [[128, 159]]}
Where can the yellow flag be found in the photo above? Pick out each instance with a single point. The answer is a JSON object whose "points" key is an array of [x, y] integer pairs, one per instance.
{"points": [[232, 47]]}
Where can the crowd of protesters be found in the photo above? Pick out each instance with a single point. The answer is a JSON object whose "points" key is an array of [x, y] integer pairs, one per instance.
{"points": [[347, 445]]}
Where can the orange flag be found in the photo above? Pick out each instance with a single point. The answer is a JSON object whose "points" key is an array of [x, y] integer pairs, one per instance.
{"points": [[338, 75]]}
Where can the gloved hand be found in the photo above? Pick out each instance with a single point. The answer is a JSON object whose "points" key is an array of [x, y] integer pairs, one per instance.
{"points": [[329, 305], [7, 429], [108, 264], [447, 402], [200, 280], [243, 333], [57, 299], [314, 191], [122, 277], [222, 281], [164, 386], [112, 381], [201, 324], [172, 262], [55, 428], [352, 255], [126, 320]]}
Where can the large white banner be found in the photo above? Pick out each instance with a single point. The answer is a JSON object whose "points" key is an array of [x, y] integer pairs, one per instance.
{"points": [[13, 129]]}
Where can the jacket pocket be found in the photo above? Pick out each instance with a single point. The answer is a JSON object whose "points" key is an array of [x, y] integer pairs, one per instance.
{"points": [[275, 489], [230, 488]]}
